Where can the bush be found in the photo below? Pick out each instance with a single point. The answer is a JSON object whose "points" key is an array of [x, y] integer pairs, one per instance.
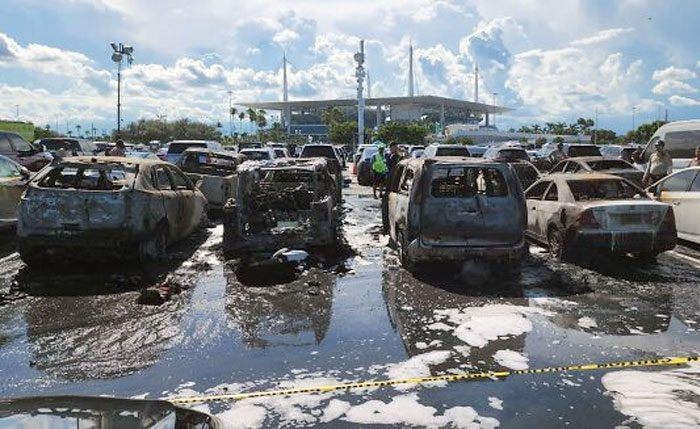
{"points": [[459, 140]]}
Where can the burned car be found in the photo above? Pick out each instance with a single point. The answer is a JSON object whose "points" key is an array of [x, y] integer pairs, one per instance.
{"points": [[123, 206], [597, 212], [598, 164], [214, 172], [455, 209], [286, 203]]}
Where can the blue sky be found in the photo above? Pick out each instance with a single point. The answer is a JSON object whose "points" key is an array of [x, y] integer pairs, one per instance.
{"points": [[551, 60]]}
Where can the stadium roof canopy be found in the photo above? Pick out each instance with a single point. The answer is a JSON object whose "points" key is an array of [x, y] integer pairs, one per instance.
{"points": [[418, 100]]}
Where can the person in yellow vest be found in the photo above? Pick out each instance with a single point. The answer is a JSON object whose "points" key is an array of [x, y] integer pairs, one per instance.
{"points": [[379, 171]]}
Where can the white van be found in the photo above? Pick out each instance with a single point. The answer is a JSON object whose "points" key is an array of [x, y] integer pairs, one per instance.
{"points": [[681, 139]]}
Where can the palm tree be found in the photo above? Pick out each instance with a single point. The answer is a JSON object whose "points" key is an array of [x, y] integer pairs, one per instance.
{"points": [[260, 119], [252, 117], [241, 117], [232, 113]]}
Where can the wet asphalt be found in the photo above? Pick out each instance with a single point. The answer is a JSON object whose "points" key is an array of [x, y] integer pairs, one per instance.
{"points": [[79, 330]]}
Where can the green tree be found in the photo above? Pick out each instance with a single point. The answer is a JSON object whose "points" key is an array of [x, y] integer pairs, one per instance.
{"points": [[342, 132], [558, 139], [540, 141], [252, 117], [241, 117], [605, 136], [402, 133], [143, 131], [42, 133], [459, 140], [332, 115]]}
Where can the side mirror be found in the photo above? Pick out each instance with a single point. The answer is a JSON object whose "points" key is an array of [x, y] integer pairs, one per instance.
{"points": [[26, 174], [198, 183]]}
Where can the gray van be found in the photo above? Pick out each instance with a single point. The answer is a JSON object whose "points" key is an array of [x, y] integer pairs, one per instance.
{"points": [[681, 138], [454, 209]]}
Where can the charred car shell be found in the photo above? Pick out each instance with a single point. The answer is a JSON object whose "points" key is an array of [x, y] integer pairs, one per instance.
{"points": [[214, 172], [456, 209], [123, 206], [601, 212], [286, 203]]}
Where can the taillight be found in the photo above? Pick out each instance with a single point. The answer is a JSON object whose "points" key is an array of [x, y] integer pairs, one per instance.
{"points": [[587, 220], [669, 219]]}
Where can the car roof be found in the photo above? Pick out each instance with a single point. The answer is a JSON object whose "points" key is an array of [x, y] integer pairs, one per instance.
{"points": [[452, 160], [113, 159], [580, 177], [207, 150]]}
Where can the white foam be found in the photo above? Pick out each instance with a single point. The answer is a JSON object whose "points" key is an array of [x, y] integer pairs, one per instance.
{"points": [[511, 359], [406, 410], [495, 403], [417, 366], [243, 415], [335, 409], [587, 322], [660, 399]]}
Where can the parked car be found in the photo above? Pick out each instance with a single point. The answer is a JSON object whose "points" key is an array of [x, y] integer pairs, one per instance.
{"points": [[261, 154], [682, 190], [598, 164], [280, 152], [214, 173], [596, 212], [545, 159], [506, 154], [328, 152], [614, 151], [15, 147], [13, 181], [438, 150], [250, 145], [411, 149], [176, 147], [121, 206], [680, 138], [527, 173], [476, 151], [360, 149], [77, 147], [364, 165], [455, 209], [417, 153], [287, 203]]}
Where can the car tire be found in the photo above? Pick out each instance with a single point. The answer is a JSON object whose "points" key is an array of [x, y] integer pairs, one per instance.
{"points": [[401, 249], [557, 247], [646, 257], [155, 246]]}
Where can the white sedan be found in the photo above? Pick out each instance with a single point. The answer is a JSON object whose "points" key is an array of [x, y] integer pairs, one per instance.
{"points": [[682, 191]]}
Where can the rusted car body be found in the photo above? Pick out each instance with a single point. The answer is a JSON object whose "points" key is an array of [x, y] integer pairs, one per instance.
{"points": [[123, 206], [287, 203], [214, 172], [13, 181], [455, 208], [597, 212], [599, 164]]}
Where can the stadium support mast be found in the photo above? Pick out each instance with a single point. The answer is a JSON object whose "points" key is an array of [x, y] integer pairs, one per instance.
{"points": [[410, 70], [360, 76], [476, 83]]}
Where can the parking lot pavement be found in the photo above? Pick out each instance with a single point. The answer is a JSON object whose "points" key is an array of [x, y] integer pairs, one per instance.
{"points": [[78, 333]]}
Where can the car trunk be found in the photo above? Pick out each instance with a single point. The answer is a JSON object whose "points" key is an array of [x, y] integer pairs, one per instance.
{"points": [[628, 216], [453, 216], [75, 210]]}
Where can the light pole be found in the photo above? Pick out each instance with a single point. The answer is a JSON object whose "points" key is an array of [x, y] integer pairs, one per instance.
{"points": [[119, 51], [633, 109], [360, 75], [17, 107], [230, 114], [494, 109]]}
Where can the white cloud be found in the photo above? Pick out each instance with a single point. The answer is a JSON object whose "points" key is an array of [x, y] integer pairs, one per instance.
{"points": [[674, 73], [602, 36], [285, 37], [672, 87], [678, 100]]}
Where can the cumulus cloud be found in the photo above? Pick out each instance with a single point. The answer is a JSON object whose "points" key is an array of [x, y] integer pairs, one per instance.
{"points": [[678, 100], [285, 36], [602, 36], [674, 73], [672, 87]]}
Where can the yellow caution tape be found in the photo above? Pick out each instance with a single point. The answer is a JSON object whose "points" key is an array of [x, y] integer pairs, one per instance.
{"points": [[421, 380]]}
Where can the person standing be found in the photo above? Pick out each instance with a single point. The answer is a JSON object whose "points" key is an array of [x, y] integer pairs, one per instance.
{"points": [[393, 158], [379, 171], [119, 149], [695, 162], [659, 166]]}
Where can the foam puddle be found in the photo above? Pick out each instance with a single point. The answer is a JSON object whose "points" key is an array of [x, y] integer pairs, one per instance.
{"points": [[658, 399]]}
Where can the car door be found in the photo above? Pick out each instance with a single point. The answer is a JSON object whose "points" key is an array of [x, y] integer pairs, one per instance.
{"points": [[533, 199], [691, 208], [171, 201], [549, 209], [674, 191], [13, 182], [398, 202], [6, 148], [190, 211], [572, 167]]}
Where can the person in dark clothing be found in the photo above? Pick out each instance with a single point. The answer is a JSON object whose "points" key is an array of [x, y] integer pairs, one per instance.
{"points": [[393, 158]]}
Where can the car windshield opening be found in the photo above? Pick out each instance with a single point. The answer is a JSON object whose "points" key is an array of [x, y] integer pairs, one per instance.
{"points": [[87, 177], [255, 155], [513, 155], [180, 147], [318, 152], [607, 165], [607, 189], [452, 151], [210, 164], [575, 151], [460, 182]]}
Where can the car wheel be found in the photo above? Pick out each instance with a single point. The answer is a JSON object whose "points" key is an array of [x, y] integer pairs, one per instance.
{"points": [[155, 246], [646, 257], [555, 240], [402, 245]]}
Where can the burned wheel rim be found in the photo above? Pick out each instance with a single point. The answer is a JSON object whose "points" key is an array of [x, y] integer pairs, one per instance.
{"points": [[155, 246], [556, 246]]}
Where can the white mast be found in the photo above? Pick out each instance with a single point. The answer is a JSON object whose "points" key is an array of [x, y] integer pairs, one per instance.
{"points": [[285, 92], [360, 75], [476, 83], [410, 70]]}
